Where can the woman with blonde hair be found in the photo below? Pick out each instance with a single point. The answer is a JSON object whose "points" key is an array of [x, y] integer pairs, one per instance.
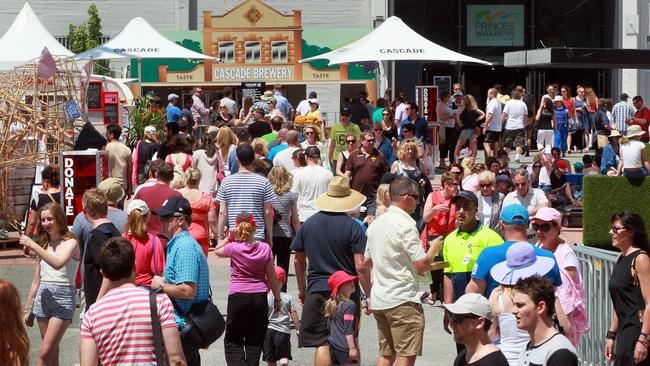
{"points": [[207, 161], [285, 218], [468, 119], [252, 276], [471, 182], [53, 288], [313, 137], [633, 154], [261, 165], [383, 199], [226, 144], [149, 250], [14, 343], [204, 210]]}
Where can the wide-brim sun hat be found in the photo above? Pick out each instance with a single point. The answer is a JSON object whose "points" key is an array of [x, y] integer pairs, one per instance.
{"points": [[614, 133], [634, 130], [521, 262], [339, 197], [267, 95]]}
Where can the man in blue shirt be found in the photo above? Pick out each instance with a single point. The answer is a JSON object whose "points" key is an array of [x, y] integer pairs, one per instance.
{"points": [[282, 103], [514, 224], [173, 112], [420, 124], [186, 279]]}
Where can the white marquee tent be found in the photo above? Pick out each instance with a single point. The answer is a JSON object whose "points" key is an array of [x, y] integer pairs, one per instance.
{"points": [[392, 41], [139, 40], [25, 39]]}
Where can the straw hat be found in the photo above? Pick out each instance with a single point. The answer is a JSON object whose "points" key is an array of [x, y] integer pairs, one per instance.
{"points": [[614, 133], [634, 130], [339, 197]]}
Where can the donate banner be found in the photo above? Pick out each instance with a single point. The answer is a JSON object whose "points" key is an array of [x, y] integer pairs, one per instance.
{"points": [[495, 25]]}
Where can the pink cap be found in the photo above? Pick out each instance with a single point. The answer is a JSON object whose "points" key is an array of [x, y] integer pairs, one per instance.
{"points": [[548, 214]]}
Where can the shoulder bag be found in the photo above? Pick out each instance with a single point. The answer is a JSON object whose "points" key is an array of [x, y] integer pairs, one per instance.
{"points": [[206, 319], [157, 331]]}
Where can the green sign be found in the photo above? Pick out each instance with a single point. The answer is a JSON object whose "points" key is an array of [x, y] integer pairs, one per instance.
{"points": [[495, 25]]}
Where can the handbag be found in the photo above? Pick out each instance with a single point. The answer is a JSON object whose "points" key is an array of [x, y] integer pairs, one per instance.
{"points": [[572, 124], [155, 327], [206, 319]]}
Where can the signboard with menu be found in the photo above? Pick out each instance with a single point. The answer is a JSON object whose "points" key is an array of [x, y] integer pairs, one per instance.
{"points": [[252, 89], [111, 104], [93, 96]]}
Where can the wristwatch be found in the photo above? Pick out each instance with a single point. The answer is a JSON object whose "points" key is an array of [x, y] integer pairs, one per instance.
{"points": [[162, 287]]}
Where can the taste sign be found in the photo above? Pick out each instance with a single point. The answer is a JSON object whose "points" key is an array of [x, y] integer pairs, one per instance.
{"points": [[80, 171]]}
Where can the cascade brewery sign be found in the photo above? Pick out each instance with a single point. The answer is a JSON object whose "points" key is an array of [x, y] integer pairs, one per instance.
{"points": [[253, 73], [402, 50], [495, 25], [136, 49]]}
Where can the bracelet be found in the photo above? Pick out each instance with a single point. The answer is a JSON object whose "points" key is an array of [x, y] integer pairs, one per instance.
{"points": [[643, 343], [610, 335]]}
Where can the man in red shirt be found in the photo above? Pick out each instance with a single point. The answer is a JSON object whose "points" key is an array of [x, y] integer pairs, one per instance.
{"points": [[156, 194], [641, 117]]}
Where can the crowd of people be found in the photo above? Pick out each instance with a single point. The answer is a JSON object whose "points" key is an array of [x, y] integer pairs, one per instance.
{"points": [[355, 204]]}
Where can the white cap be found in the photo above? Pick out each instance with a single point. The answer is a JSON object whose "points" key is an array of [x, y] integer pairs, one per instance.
{"points": [[137, 205], [475, 304], [172, 96], [313, 101], [150, 130]]}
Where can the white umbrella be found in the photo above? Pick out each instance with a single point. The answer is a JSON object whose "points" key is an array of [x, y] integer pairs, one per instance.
{"points": [[140, 40], [391, 41], [25, 39]]}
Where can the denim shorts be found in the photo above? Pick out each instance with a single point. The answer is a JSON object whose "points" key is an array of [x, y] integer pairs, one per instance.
{"points": [[54, 301]]}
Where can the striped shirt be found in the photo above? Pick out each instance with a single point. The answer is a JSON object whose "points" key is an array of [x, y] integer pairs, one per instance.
{"points": [[246, 192], [621, 112], [120, 325]]}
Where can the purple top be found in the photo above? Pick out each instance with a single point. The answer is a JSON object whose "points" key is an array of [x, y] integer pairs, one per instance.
{"points": [[248, 266]]}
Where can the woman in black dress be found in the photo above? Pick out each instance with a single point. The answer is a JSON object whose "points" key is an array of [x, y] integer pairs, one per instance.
{"points": [[629, 288]]}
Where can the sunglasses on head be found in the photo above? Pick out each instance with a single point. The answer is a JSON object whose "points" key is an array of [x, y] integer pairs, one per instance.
{"points": [[541, 227], [459, 318]]}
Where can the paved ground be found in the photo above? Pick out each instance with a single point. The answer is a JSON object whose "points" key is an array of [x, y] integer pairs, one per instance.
{"points": [[438, 345]]}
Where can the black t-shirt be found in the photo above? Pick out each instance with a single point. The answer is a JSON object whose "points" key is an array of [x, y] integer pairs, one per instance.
{"points": [[557, 182], [259, 129], [495, 358], [43, 198], [391, 134], [469, 119], [358, 112], [92, 275], [545, 120], [146, 150], [329, 240]]}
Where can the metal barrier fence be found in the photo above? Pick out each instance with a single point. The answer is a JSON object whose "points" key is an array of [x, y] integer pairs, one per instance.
{"points": [[596, 267]]}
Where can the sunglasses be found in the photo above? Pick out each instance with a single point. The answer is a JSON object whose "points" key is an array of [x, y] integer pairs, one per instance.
{"points": [[617, 229], [541, 227], [370, 140], [536, 166], [378, 129], [309, 133], [350, 141], [385, 114], [521, 184], [486, 185], [459, 318]]}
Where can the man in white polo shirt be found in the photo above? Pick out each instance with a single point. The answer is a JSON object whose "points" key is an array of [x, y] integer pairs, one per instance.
{"points": [[514, 113]]}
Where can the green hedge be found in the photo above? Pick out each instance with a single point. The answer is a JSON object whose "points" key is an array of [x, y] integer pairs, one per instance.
{"points": [[603, 196]]}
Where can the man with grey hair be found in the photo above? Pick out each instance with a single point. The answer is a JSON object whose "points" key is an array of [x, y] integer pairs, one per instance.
{"points": [[283, 158], [199, 111], [531, 198]]}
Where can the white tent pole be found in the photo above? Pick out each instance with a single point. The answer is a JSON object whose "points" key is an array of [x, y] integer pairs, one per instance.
{"points": [[139, 77], [393, 93]]}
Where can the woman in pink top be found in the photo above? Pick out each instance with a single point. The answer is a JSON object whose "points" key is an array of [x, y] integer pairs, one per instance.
{"points": [[204, 210], [547, 223], [251, 273], [149, 251]]}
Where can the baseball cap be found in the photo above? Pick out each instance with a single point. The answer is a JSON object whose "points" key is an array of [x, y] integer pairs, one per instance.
{"points": [[624, 96], [176, 205], [470, 303], [548, 214], [137, 205], [312, 152], [312, 95], [578, 166], [562, 165], [465, 195], [112, 188], [521, 262], [149, 130], [281, 274], [558, 99], [515, 214], [312, 101], [337, 279], [345, 111], [172, 96], [504, 178], [458, 94]]}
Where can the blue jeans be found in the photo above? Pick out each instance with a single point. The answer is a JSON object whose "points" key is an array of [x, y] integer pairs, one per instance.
{"points": [[459, 281], [641, 173], [560, 137]]}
